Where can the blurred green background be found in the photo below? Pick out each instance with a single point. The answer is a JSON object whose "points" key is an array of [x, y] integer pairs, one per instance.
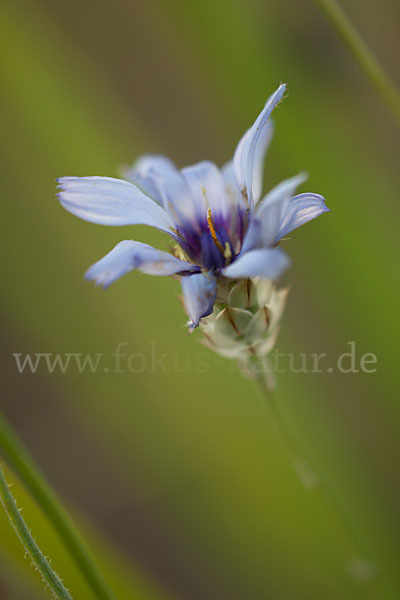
{"points": [[179, 482]]}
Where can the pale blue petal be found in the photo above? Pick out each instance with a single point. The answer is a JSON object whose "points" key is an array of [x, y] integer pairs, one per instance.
{"points": [[207, 188], [273, 207], [268, 263], [158, 177], [301, 209], [239, 163], [109, 201], [129, 255], [232, 190], [245, 155], [259, 158], [269, 214], [252, 237], [260, 151], [199, 293]]}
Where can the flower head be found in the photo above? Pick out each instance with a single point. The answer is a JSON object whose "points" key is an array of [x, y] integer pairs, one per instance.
{"points": [[222, 228]]}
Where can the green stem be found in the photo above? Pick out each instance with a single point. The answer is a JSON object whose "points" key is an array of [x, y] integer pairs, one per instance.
{"points": [[316, 477], [363, 55], [52, 507], [49, 576]]}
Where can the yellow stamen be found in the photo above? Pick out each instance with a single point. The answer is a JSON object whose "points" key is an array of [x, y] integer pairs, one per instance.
{"points": [[176, 232], [228, 253], [213, 233], [179, 253]]}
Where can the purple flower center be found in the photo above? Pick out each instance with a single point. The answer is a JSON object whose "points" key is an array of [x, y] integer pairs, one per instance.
{"points": [[213, 241]]}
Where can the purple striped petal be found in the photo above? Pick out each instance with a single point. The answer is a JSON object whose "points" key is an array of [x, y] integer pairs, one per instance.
{"points": [[267, 221], [268, 263], [129, 255], [247, 150], [158, 177], [301, 209], [110, 201], [199, 291], [259, 159], [207, 189]]}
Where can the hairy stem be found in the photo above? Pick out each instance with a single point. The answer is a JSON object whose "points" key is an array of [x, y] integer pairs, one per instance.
{"points": [[52, 507], [314, 476], [38, 558], [363, 55]]}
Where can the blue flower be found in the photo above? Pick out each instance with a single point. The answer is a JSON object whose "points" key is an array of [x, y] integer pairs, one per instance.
{"points": [[221, 226]]}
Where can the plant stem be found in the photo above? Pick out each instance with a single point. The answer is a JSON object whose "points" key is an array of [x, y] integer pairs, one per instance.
{"points": [[23, 533], [317, 479], [28, 472], [363, 55]]}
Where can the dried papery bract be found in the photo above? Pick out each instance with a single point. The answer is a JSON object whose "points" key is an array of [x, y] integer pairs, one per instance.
{"points": [[246, 328]]}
